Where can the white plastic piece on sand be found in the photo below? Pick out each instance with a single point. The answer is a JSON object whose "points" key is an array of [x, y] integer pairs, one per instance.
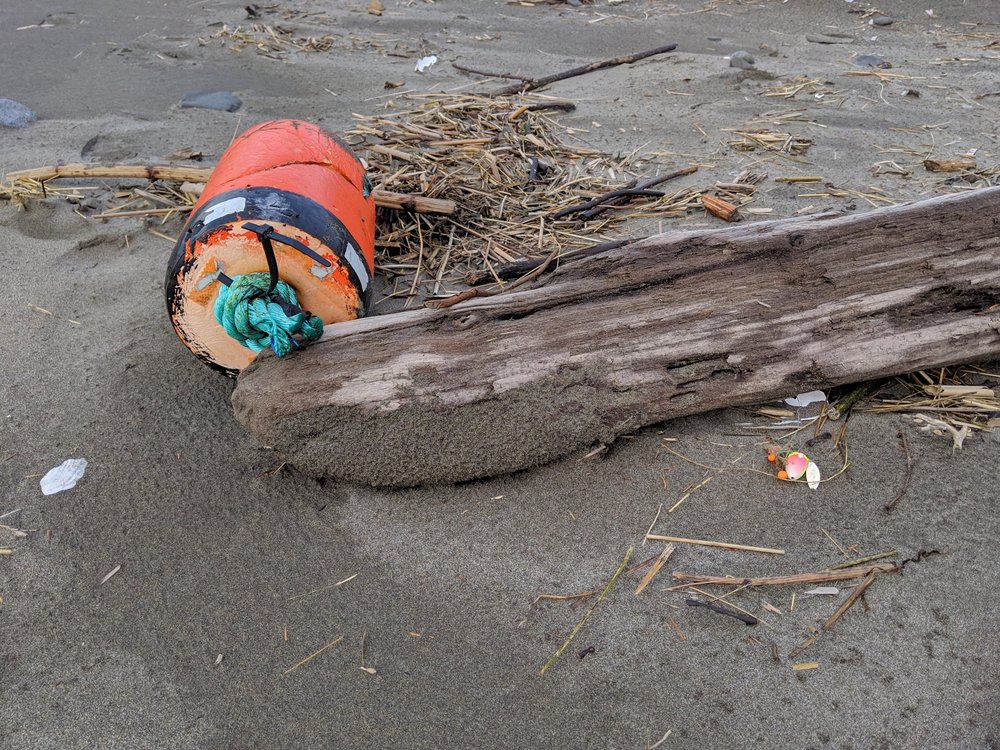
{"points": [[425, 62], [804, 399], [110, 575], [64, 476], [823, 591], [218, 659], [812, 475]]}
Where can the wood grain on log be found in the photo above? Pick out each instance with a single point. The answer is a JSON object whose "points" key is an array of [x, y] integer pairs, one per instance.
{"points": [[679, 323]]}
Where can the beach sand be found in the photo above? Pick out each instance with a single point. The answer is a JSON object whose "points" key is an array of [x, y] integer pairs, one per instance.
{"points": [[223, 553]]}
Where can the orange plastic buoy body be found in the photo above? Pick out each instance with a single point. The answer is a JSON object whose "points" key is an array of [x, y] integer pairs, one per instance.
{"points": [[305, 189]]}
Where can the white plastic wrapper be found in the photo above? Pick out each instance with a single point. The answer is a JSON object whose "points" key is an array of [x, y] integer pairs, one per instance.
{"points": [[425, 62], [64, 476]]}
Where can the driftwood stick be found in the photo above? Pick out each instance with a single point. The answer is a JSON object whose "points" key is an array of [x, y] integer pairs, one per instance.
{"points": [[645, 184], [486, 73], [846, 574], [537, 83], [706, 543], [634, 188], [663, 328], [850, 600], [383, 198]]}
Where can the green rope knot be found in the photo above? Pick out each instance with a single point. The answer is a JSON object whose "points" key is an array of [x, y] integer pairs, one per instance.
{"points": [[257, 319]]}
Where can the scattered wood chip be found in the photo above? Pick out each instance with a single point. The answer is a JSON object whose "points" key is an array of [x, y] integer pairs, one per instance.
{"points": [[805, 665], [950, 165], [720, 208]]}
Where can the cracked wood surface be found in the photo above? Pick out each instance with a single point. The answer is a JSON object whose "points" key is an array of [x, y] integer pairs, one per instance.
{"points": [[679, 323]]}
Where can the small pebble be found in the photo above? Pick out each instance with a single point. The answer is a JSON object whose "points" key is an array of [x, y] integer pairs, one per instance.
{"points": [[574, 3], [883, 21], [714, 38], [14, 114], [741, 59], [224, 101]]}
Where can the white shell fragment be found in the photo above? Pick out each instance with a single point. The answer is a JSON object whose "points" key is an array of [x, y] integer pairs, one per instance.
{"points": [[804, 399], [64, 476], [823, 591], [425, 62], [812, 475]]}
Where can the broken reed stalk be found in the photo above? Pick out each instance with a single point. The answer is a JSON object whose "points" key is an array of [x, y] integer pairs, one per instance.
{"points": [[706, 543], [850, 600], [655, 568], [383, 198], [845, 574], [579, 626], [862, 560], [537, 83]]}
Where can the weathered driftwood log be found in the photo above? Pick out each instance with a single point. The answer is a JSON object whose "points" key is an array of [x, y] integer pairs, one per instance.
{"points": [[678, 323]]}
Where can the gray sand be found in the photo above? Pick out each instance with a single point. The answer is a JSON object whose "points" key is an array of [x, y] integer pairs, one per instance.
{"points": [[213, 543]]}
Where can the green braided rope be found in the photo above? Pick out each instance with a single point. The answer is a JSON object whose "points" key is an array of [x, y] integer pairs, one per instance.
{"points": [[257, 320]]}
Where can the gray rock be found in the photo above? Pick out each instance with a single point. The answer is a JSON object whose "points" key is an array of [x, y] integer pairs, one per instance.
{"points": [[741, 59], [883, 21], [870, 61], [224, 101], [714, 38], [14, 114]]}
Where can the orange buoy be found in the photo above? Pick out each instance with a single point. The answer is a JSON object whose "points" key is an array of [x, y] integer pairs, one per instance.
{"points": [[284, 231]]}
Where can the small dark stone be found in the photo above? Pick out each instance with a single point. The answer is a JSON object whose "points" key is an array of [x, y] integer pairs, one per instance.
{"points": [[14, 114], [883, 21], [714, 38], [741, 59], [224, 101]]}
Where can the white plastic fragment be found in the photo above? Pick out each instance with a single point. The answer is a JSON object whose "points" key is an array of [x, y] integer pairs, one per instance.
{"points": [[218, 659], [109, 575], [64, 476], [425, 62], [812, 475], [823, 591], [804, 399]]}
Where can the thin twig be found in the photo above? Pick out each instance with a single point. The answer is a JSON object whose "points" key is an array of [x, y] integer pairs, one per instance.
{"points": [[891, 505], [849, 602], [537, 83], [313, 655]]}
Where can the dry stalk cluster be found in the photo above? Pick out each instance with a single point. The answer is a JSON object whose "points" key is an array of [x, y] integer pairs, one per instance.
{"points": [[510, 167]]}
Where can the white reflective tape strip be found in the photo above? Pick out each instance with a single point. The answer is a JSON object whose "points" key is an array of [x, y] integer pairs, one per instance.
{"points": [[224, 209], [358, 265]]}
